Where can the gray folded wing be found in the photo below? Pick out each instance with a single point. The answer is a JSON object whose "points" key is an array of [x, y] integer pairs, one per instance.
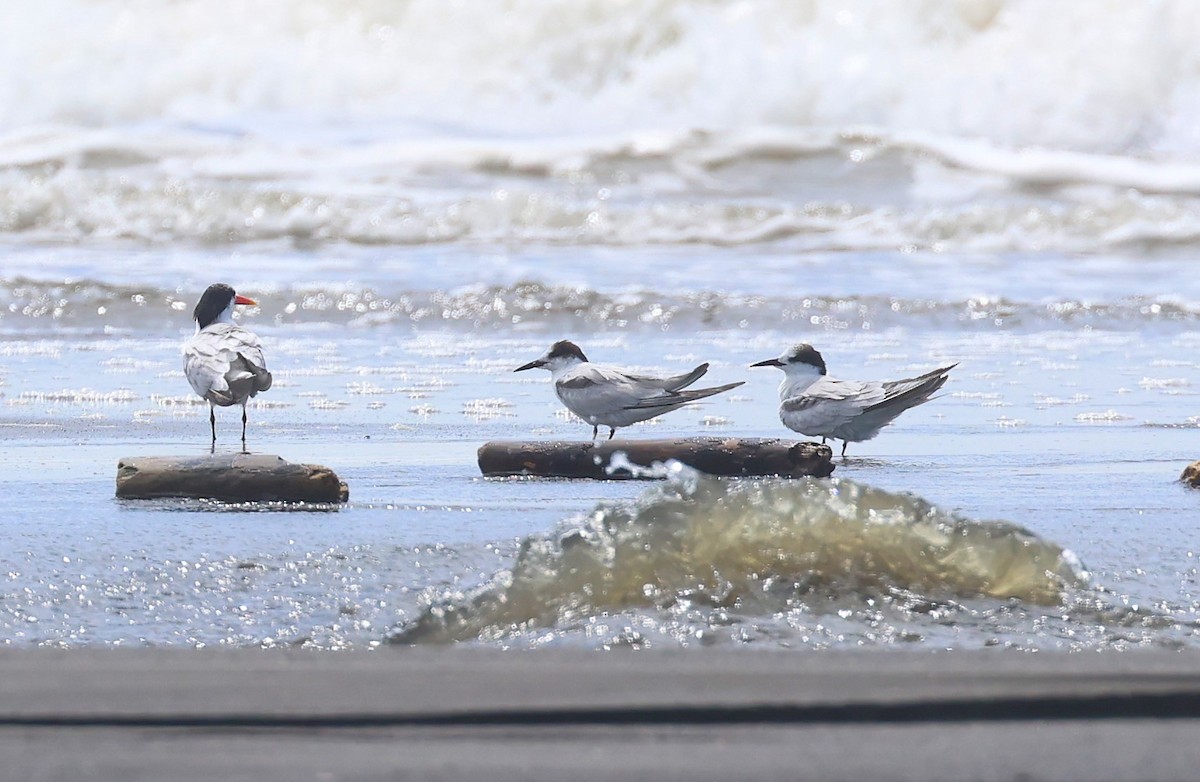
{"points": [[915, 388], [898, 396], [605, 394], [828, 405], [224, 364], [677, 398], [245, 378], [669, 383]]}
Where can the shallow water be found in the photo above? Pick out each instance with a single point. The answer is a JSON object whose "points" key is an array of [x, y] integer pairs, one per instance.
{"points": [[415, 226], [1073, 432]]}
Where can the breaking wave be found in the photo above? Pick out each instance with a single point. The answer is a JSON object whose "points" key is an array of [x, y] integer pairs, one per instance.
{"points": [[751, 547], [815, 191], [588, 122], [1125, 84]]}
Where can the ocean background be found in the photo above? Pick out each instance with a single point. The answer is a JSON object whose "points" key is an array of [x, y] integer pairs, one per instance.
{"points": [[423, 196]]}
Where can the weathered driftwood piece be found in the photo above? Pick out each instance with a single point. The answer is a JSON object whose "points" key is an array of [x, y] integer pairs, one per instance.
{"points": [[232, 477], [713, 455], [1191, 475]]}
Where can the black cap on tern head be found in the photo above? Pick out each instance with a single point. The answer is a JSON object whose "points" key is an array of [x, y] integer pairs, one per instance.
{"points": [[805, 353], [561, 349], [216, 299], [213, 303], [564, 348]]}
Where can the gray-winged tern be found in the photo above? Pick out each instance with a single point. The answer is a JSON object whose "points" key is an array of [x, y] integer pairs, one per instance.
{"points": [[223, 361], [607, 396], [814, 404]]}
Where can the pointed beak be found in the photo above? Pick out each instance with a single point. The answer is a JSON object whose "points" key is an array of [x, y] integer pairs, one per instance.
{"points": [[530, 365], [244, 300], [771, 362]]}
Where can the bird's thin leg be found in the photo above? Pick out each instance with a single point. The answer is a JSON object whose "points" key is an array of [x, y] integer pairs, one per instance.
{"points": [[844, 444], [244, 429], [823, 439], [611, 432], [595, 432], [212, 421]]}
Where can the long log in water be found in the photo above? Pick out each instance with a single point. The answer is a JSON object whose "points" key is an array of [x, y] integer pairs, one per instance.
{"points": [[734, 456], [233, 477]]}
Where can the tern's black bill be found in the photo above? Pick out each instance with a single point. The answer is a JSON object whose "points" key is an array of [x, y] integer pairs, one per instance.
{"points": [[530, 365], [771, 362]]}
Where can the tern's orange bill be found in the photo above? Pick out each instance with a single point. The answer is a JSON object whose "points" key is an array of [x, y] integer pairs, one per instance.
{"points": [[244, 300]]}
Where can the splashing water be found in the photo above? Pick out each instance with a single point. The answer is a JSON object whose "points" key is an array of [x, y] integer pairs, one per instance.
{"points": [[752, 546]]}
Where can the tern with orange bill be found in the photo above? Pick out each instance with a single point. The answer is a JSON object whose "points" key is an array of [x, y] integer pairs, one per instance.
{"points": [[224, 362]]}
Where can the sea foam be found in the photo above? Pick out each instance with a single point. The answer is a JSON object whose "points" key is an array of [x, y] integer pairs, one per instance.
{"points": [[1106, 76], [947, 125]]}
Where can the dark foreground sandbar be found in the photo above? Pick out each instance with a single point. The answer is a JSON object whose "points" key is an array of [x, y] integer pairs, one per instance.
{"points": [[553, 715]]}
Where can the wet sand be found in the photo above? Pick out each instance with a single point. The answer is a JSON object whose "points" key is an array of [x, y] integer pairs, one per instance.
{"points": [[474, 714]]}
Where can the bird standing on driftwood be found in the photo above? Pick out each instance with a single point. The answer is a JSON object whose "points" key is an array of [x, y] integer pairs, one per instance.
{"points": [[224, 362], [814, 404], [607, 396]]}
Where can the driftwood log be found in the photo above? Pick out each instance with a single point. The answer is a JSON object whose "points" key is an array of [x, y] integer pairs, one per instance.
{"points": [[713, 455], [233, 477]]}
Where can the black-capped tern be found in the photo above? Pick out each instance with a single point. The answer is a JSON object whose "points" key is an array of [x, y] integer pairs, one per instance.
{"points": [[814, 404], [607, 396], [224, 362]]}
